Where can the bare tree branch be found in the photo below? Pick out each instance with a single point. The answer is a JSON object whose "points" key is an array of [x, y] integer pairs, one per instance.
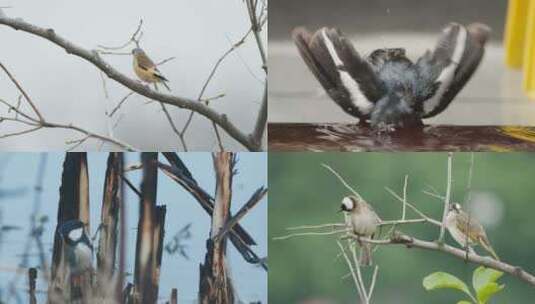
{"points": [[411, 242], [94, 58]]}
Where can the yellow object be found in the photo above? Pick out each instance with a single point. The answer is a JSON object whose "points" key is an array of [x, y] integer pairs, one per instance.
{"points": [[522, 133], [515, 32], [529, 51]]}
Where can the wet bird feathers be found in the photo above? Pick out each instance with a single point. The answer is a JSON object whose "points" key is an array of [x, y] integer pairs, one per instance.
{"points": [[387, 88]]}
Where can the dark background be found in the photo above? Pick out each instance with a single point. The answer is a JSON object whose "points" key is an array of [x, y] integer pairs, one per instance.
{"points": [[359, 16]]}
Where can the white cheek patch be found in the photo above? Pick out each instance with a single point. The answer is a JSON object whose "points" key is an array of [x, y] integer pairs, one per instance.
{"points": [[348, 203], [446, 76], [355, 93], [76, 234]]}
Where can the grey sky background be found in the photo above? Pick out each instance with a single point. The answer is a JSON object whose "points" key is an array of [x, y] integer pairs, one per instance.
{"points": [[68, 89], [19, 172]]}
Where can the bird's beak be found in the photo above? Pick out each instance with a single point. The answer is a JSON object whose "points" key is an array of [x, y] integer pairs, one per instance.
{"points": [[340, 210]]}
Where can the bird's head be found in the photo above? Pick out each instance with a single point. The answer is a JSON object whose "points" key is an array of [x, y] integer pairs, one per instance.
{"points": [[380, 56], [349, 203], [456, 207], [137, 51], [73, 233]]}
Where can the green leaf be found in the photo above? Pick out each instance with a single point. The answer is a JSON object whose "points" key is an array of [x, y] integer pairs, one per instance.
{"points": [[483, 277], [464, 302], [444, 280], [485, 293]]}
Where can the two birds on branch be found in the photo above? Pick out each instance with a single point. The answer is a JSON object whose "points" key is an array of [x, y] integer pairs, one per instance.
{"points": [[363, 221]]}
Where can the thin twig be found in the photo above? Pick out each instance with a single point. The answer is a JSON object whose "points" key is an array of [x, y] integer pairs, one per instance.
{"points": [[21, 90], [353, 274], [342, 180], [412, 242], [288, 236], [404, 211], [446, 199], [420, 213]]}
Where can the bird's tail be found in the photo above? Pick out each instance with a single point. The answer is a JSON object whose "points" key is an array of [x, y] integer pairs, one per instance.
{"points": [[486, 244], [166, 86], [365, 254], [163, 81]]}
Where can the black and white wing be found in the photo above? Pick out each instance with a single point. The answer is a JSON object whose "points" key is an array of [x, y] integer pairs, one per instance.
{"points": [[348, 79], [448, 68]]}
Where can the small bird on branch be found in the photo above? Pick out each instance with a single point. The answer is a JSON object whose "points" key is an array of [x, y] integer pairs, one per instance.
{"points": [[364, 221], [146, 70], [467, 231]]}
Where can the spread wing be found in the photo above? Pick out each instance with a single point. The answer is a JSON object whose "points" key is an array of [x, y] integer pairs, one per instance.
{"points": [[448, 68], [348, 79]]}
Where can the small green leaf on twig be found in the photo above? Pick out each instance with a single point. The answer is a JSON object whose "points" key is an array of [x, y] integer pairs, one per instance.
{"points": [[439, 280]]}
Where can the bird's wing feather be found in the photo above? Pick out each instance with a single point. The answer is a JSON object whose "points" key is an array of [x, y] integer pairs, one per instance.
{"points": [[348, 79], [448, 68], [468, 225]]}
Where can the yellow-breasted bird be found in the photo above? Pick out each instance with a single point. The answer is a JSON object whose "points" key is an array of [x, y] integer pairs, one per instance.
{"points": [[466, 230], [146, 70]]}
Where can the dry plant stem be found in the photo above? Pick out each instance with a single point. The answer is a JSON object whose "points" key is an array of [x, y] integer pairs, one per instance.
{"points": [[333, 226], [416, 210], [40, 122], [210, 76], [38, 190], [446, 199], [404, 211], [94, 58], [411, 242], [356, 264], [469, 182], [253, 201], [19, 87], [132, 39], [256, 27], [120, 103], [342, 180], [288, 236], [173, 126], [353, 274]]}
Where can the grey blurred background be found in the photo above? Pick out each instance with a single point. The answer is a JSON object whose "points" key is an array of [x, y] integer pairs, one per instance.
{"points": [[364, 16], [493, 96], [69, 90]]}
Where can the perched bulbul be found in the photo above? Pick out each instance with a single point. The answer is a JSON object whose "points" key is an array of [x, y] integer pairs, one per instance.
{"points": [[466, 230], [146, 70], [363, 220], [387, 89]]}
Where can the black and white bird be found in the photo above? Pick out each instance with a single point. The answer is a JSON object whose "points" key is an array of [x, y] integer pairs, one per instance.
{"points": [[363, 221], [387, 89], [78, 248]]}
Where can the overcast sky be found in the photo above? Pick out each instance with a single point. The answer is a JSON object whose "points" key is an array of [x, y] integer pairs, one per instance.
{"points": [[18, 172], [69, 90]]}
